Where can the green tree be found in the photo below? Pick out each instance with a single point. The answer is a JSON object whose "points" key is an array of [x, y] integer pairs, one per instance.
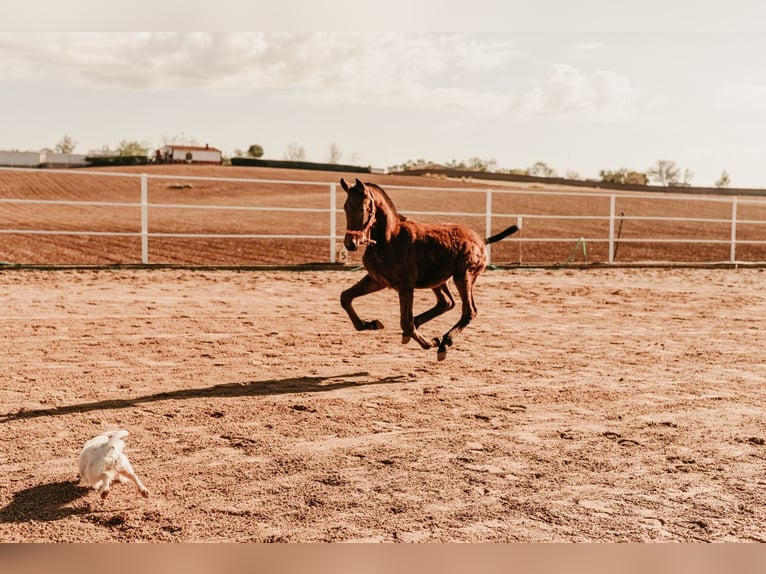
{"points": [[255, 151], [132, 148], [665, 172], [617, 176], [724, 180], [409, 164], [455, 164], [479, 164], [66, 145], [541, 169]]}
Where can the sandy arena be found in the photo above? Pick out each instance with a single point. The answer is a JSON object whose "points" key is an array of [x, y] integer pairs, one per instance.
{"points": [[580, 405]]}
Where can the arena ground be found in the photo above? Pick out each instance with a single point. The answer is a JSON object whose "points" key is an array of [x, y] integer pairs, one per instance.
{"points": [[581, 405]]}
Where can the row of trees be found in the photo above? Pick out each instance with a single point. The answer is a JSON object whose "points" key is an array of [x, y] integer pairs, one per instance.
{"points": [[664, 172], [294, 151], [67, 144]]}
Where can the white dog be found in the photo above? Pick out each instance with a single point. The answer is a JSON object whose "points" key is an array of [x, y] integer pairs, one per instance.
{"points": [[102, 460]]}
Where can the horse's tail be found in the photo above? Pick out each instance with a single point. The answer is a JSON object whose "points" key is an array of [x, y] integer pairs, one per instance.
{"points": [[502, 235]]}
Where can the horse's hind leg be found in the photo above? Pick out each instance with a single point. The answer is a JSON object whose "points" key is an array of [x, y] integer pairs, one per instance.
{"points": [[444, 302], [464, 285], [364, 286], [409, 329]]}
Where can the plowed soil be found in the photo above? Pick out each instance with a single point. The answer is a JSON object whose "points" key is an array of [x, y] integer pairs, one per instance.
{"points": [[283, 219]]}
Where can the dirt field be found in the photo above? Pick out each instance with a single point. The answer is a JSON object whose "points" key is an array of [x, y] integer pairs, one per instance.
{"points": [[179, 206], [599, 405]]}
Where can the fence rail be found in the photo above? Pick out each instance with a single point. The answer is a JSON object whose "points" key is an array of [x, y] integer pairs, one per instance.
{"points": [[608, 217]]}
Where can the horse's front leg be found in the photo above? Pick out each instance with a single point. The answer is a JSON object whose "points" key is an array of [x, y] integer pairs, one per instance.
{"points": [[364, 286], [409, 330]]}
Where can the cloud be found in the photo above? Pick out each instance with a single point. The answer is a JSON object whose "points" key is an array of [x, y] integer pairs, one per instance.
{"points": [[570, 92], [330, 67], [130, 60], [468, 73], [587, 46], [742, 97]]}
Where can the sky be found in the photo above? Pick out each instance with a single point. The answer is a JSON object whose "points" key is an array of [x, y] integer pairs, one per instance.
{"points": [[582, 86]]}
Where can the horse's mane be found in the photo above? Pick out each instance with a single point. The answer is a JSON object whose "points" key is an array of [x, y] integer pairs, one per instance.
{"points": [[387, 199]]}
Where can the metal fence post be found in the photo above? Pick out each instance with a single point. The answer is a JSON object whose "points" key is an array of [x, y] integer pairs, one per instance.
{"points": [[144, 219], [333, 221], [612, 203], [488, 225], [733, 255]]}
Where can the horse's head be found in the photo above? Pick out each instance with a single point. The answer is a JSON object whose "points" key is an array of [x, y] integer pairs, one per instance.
{"points": [[360, 214]]}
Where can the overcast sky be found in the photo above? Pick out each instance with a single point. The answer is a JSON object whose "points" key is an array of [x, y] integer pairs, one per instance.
{"points": [[583, 87]]}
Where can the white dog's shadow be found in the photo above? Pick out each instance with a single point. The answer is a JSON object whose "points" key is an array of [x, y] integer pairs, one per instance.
{"points": [[46, 502]]}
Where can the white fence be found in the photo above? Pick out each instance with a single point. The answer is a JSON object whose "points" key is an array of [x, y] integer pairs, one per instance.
{"points": [[609, 218]]}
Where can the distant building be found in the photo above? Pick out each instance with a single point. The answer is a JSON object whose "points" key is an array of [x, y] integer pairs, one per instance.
{"points": [[176, 153], [21, 158], [63, 160], [35, 159]]}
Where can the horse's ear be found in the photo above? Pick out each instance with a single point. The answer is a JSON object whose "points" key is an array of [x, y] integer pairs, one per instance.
{"points": [[343, 184], [359, 183]]}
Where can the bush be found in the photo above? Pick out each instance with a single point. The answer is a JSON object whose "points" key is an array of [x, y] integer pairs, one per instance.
{"points": [[110, 160]]}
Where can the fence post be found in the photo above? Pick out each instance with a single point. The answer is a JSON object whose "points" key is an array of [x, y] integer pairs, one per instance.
{"points": [[612, 203], [333, 221], [733, 255], [144, 219], [488, 225]]}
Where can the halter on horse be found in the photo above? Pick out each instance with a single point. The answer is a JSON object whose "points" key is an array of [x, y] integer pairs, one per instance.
{"points": [[406, 255]]}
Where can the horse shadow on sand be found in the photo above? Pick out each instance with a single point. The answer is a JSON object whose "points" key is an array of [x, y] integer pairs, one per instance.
{"points": [[292, 385], [56, 500]]}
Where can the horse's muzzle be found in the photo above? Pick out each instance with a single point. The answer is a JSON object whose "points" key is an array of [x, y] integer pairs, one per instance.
{"points": [[351, 242]]}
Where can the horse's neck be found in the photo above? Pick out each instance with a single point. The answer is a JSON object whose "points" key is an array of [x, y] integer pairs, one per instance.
{"points": [[386, 220]]}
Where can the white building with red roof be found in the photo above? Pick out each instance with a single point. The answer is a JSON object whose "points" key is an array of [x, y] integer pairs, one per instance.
{"points": [[179, 153]]}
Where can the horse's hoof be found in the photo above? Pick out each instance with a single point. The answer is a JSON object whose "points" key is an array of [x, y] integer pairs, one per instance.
{"points": [[374, 325], [405, 339], [441, 354]]}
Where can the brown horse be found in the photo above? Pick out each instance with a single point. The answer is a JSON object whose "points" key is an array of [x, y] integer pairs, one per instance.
{"points": [[406, 255]]}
